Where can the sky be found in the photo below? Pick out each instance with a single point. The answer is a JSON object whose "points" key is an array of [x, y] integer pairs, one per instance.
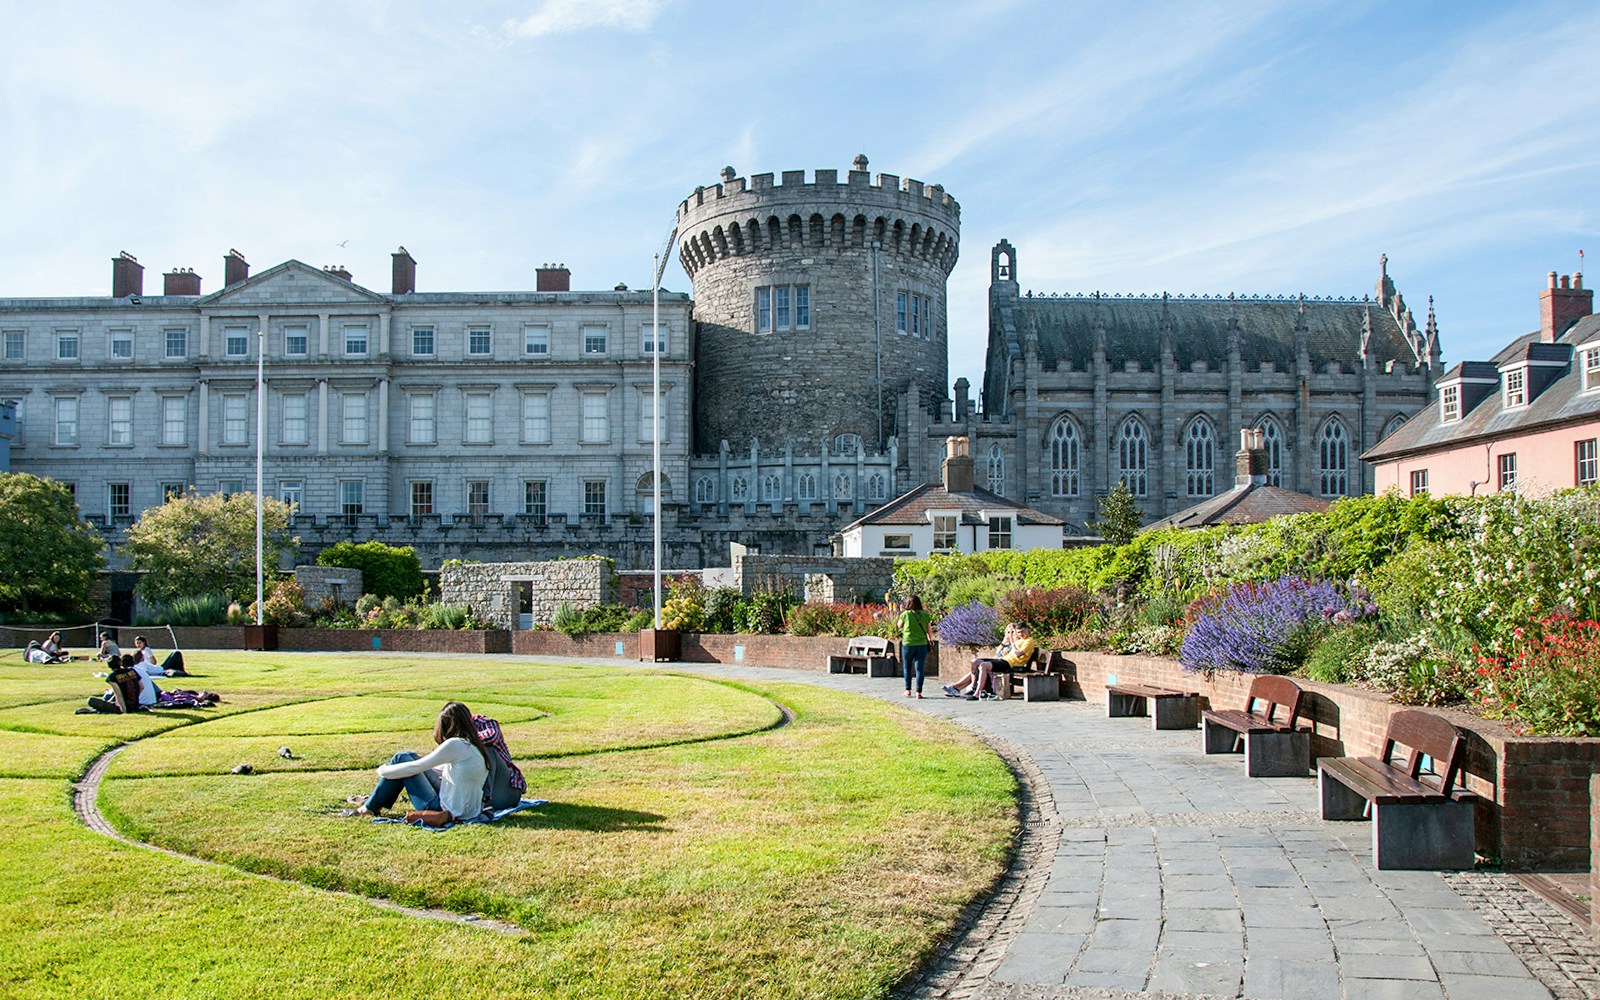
{"points": [[1130, 147]]}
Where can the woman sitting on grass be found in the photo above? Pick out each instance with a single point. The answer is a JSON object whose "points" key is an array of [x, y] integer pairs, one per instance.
{"points": [[446, 785]]}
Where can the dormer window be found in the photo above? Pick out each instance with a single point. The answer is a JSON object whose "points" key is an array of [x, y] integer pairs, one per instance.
{"points": [[1450, 403], [1516, 387], [1591, 369]]}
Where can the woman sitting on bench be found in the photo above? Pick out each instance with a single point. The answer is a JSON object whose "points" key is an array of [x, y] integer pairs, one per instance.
{"points": [[1015, 650]]}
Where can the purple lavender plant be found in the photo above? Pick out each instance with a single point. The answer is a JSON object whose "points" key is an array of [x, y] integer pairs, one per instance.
{"points": [[974, 624], [1265, 627]]}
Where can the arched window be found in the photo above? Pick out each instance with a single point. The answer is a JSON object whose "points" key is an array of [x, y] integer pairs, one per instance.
{"points": [[877, 487], [1133, 451], [847, 444], [741, 490], [842, 486], [807, 489], [997, 469], [1392, 426], [1200, 458], [644, 491], [705, 490], [1273, 441], [1064, 458], [772, 486], [1333, 458]]}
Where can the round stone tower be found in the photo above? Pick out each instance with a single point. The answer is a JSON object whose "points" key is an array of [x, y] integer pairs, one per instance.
{"points": [[791, 337]]}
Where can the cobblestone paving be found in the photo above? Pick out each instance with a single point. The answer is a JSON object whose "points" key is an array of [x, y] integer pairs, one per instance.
{"points": [[1149, 869]]}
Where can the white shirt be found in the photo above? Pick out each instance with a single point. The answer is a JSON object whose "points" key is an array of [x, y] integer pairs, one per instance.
{"points": [[462, 773], [148, 655]]}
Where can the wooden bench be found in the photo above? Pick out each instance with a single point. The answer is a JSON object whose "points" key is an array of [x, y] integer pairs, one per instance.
{"points": [[1275, 745], [1040, 679], [866, 654], [1168, 709], [1420, 819]]}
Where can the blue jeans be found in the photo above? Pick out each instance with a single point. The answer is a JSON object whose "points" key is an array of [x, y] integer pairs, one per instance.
{"points": [[422, 789], [914, 658]]}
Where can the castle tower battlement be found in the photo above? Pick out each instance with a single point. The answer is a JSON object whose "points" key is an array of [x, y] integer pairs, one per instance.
{"points": [[808, 294]]}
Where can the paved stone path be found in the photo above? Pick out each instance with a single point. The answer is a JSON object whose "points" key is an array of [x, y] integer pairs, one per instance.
{"points": [[1150, 869]]}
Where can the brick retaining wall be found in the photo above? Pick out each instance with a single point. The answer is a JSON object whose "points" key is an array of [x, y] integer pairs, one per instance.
{"points": [[793, 652]]}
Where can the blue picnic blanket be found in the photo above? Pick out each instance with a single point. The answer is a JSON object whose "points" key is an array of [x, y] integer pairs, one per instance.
{"points": [[486, 817]]}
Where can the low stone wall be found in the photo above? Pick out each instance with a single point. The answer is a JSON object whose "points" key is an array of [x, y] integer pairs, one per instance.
{"points": [[793, 652], [329, 583], [862, 579], [343, 640], [1534, 813], [492, 589]]}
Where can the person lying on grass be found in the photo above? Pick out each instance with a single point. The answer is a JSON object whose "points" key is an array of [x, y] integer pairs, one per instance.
{"points": [[446, 785]]}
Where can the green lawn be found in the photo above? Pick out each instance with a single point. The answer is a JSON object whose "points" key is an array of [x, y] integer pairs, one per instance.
{"points": [[692, 845]]}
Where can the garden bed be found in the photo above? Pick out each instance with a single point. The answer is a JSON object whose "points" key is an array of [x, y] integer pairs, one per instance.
{"points": [[1535, 810]]}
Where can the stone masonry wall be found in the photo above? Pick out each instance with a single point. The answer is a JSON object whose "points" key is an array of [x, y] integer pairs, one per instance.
{"points": [[492, 589], [324, 583], [853, 579]]}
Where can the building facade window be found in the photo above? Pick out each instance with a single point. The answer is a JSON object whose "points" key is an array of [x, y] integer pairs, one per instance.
{"points": [[846, 444], [877, 487], [67, 421], [783, 307], [236, 341], [480, 341], [1591, 369], [422, 498], [843, 486], [1419, 482], [999, 532], [121, 342], [1516, 388], [422, 420], [15, 344], [1507, 468], [594, 340], [170, 491], [649, 343], [594, 497], [1587, 460], [119, 502], [1272, 441], [352, 498], [422, 342], [647, 402], [177, 343], [536, 340], [119, 421], [355, 340], [291, 491], [705, 490], [477, 499], [296, 419], [1133, 451], [1449, 403], [997, 469], [771, 487], [1333, 459], [230, 487], [898, 543], [536, 499], [806, 488], [174, 420], [596, 418], [1200, 459], [739, 489], [66, 345], [1064, 448], [235, 418], [353, 418], [944, 532], [536, 418], [480, 418], [296, 341]]}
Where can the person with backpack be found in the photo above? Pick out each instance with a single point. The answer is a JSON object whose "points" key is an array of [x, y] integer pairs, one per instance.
{"points": [[446, 785], [505, 784], [130, 691]]}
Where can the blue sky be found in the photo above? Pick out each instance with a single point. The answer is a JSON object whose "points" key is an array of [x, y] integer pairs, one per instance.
{"points": [[1131, 147]]}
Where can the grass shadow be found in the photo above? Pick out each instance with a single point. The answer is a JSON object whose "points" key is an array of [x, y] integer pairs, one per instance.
{"points": [[597, 819]]}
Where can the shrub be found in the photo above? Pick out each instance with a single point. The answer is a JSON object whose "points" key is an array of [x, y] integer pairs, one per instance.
{"points": [[1047, 612], [1265, 628], [386, 570], [721, 609], [198, 611], [971, 624], [1338, 656], [835, 618], [449, 616], [286, 605], [1549, 680], [1413, 671]]}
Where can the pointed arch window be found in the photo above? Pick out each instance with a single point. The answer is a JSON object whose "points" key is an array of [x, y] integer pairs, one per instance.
{"points": [[705, 490], [877, 487], [1133, 455], [1333, 459], [807, 487], [1064, 453], [1200, 459], [740, 491], [1273, 441], [772, 486], [843, 486], [997, 469]]}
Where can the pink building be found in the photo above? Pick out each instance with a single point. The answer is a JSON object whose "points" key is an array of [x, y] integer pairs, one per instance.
{"points": [[1527, 421]]}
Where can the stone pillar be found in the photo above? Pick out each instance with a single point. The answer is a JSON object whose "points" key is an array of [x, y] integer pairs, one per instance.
{"points": [[322, 416], [383, 336], [383, 416], [203, 438], [322, 335]]}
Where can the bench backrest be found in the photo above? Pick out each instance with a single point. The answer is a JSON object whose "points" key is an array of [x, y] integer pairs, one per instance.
{"points": [[867, 645], [1276, 692], [1426, 733]]}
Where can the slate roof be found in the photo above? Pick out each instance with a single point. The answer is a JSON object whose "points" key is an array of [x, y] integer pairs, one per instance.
{"points": [[1200, 330], [1562, 401], [912, 508], [1249, 504]]}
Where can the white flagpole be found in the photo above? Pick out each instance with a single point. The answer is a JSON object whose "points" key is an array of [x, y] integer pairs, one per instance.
{"points": [[655, 415], [261, 437]]}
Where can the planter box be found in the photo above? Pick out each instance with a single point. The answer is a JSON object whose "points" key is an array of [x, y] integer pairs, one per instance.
{"points": [[260, 636], [659, 645]]}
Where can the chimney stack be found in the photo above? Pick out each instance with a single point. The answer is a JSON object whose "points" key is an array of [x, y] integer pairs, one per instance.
{"points": [[127, 276], [405, 272], [957, 465], [1562, 304], [234, 269], [554, 278], [180, 281], [338, 271], [1250, 464]]}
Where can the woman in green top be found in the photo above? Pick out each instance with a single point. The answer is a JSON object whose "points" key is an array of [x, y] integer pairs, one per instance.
{"points": [[914, 624]]}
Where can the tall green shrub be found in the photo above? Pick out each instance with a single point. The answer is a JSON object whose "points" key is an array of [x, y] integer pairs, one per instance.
{"points": [[386, 570]]}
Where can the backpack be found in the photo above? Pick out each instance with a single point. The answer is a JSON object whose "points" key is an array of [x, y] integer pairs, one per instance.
{"points": [[505, 784]]}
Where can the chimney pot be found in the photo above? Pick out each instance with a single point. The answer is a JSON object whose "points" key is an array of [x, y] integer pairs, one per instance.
{"points": [[234, 269], [127, 276], [554, 279], [180, 281], [404, 272], [957, 465], [1562, 304]]}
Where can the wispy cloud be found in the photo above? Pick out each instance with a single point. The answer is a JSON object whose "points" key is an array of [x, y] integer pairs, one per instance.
{"points": [[560, 17]]}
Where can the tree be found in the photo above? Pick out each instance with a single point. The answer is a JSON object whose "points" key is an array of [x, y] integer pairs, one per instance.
{"points": [[49, 555], [386, 570], [1120, 516], [205, 543]]}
